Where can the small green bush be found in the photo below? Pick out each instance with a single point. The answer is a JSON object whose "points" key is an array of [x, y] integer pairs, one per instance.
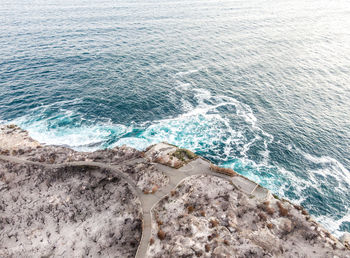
{"points": [[183, 154]]}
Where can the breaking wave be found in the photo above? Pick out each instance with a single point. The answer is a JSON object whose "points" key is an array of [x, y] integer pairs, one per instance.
{"points": [[223, 130]]}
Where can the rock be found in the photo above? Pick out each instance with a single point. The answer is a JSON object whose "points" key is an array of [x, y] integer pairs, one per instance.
{"points": [[169, 155], [345, 239], [13, 138]]}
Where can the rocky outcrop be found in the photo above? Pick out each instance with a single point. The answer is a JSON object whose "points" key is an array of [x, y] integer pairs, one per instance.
{"points": [[207, 216], [164, 202], [14, 139], [169, 155]]}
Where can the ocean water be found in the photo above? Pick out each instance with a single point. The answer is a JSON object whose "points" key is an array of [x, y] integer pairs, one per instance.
{"points": [[260, 86]]}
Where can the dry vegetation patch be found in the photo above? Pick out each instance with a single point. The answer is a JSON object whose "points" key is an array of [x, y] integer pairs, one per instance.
{"points": [[221, 170]]}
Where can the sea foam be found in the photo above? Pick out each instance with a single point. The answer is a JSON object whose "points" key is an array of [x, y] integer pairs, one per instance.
{"points": [[222, 129]]}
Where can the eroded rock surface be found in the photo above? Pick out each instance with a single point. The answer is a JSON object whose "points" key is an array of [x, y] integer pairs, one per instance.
{"points": [[13, 138]]}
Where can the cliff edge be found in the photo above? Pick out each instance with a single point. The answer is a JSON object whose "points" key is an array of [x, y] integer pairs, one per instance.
{"points": [[162, 202]]}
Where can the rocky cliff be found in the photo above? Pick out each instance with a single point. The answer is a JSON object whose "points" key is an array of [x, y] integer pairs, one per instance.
{"points": [[163, 202]]}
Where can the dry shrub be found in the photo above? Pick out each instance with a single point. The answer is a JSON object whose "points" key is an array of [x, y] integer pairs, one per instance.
{"points": [[154, 189], [202, 213], [226, 171], [146, 191], [262, 216], [161, 234], [283, 211], [4, 152], [269, 210], [304, 212], [298, 207], [270, 225], [214, 223], [207, 248], [176, 164], [190, 209], [210, 237], [151, 241]]}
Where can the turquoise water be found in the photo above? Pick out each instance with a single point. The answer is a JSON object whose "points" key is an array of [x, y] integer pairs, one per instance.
{"points": [[259, 86]]}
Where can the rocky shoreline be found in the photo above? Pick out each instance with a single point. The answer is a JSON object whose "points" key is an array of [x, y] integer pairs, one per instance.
{"points": [[162, 202]]}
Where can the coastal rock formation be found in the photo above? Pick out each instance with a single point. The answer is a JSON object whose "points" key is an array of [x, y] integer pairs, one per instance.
{"points": [[169, 155], [164, 202], [207, 216], [13, 138]]}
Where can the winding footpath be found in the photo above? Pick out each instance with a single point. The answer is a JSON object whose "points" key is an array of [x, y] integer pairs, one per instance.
{"points": [[196, 167], [269, 225]]}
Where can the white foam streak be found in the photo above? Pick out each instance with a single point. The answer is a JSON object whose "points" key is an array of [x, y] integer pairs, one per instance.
{"points": [[228, 136], [333, 224], [180, 74], [82, 138], [342, 174]]}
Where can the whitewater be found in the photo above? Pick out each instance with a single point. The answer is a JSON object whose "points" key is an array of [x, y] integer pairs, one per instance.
{"points": [[257, 86]]}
